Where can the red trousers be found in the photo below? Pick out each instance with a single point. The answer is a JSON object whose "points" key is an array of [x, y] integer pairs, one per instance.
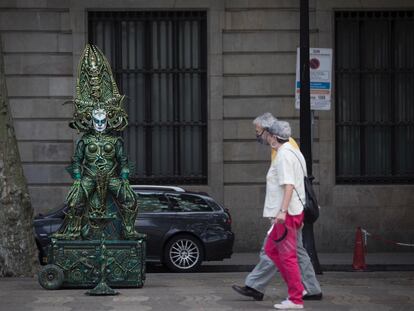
{"points": [[284, 255]]}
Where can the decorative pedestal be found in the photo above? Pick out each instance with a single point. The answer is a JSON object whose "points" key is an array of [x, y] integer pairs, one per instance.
{"points": [[97, 245], [84, 264]]}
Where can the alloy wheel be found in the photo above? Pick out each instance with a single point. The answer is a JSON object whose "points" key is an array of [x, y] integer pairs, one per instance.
{"points": [[184, 254]]}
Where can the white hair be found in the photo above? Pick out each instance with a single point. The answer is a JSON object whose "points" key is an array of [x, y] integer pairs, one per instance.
{"points": [[281, 129], [265, 120]]}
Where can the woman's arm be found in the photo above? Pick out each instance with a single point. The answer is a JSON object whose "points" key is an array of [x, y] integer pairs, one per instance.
{"points": [[287, 196]]}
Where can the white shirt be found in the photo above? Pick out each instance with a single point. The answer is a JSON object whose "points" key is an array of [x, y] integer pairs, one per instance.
{"points": [[285, 169]]}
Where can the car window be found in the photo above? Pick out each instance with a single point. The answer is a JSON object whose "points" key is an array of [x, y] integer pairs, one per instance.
{"points": [[152, 203], [214, 205], [188, 203]]}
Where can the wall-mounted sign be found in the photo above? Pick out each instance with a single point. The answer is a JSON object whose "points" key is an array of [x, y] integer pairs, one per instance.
{"points": [[320, 67]]}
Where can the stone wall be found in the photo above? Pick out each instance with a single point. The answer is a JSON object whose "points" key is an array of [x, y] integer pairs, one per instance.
{"points": [[383, 209], [38, 64], [259, 63], [251, 70], [259, 49]]}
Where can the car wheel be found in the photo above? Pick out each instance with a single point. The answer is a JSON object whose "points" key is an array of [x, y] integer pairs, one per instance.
{"points": [[51, 277], [183, 253]]}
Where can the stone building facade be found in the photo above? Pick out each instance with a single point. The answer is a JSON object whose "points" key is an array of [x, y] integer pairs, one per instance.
{"points": [[251, 59]]}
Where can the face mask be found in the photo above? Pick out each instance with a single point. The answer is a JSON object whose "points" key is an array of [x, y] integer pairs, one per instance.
{"points": [[260, 139], [99, 120]]}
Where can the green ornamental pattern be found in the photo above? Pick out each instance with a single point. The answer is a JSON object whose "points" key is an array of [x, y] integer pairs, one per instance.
{"points": [[100, 165], [97, 242]]}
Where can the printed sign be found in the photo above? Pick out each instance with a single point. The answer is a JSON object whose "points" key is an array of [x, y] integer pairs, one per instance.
{"points": [[320, 71]]}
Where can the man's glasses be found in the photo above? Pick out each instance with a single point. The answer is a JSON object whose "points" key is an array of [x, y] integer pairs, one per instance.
{"points": [[260, 135]]}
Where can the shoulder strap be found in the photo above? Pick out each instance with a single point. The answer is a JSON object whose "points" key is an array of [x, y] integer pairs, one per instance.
{"points": [[300, 162], [304, 173]]}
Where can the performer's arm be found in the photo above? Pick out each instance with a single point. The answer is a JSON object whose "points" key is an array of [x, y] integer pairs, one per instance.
{"points": [[77, 160], [122, 159]]}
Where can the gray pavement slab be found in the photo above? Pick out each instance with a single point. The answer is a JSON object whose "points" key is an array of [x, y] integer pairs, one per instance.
{"points": [[212, 291]]}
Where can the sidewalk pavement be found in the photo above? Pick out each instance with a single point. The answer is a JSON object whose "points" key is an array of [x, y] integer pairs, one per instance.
{"points": [[242, 262], [342, 291]]}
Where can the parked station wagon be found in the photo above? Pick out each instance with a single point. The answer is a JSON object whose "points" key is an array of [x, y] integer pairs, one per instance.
{"points": [[183, 228]]}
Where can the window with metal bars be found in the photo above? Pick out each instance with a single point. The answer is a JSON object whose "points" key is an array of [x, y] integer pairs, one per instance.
{"points": [[374, 68], [159, 60]]}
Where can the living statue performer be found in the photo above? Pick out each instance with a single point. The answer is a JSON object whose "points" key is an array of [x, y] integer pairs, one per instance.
{"points": [[99, 165], [97, 246]]}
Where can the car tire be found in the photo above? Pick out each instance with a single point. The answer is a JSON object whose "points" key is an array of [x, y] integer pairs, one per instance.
{"points": [[183, 253]]}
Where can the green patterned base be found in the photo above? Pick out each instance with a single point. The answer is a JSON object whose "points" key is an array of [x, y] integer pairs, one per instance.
{"points": [[78, 264]]}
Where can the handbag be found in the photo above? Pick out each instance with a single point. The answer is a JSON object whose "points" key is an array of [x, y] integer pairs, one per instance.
{"points": [[310, 206], [282, 236]]}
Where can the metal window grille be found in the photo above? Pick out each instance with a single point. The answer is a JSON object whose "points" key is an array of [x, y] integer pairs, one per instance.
{"points": [[159, 59], [374, 68]]}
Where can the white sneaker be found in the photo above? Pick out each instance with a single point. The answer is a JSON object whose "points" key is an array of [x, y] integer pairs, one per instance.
{"points": [[287, 305], [287, 298]]}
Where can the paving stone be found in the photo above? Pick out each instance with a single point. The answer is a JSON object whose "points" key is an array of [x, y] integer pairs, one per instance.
{"points": [[212, 291]]}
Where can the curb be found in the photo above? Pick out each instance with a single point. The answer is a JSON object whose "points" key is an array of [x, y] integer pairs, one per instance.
{"points": [[325, 268]]}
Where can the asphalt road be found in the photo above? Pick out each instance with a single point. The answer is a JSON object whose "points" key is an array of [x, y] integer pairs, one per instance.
{"points": [[212, 291]]}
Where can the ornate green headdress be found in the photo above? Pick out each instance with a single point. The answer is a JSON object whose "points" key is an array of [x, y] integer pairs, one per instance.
{"points": [[97, 89]]}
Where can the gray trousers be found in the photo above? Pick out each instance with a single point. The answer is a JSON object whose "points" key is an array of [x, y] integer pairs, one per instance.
{"points": [[265, 270]]}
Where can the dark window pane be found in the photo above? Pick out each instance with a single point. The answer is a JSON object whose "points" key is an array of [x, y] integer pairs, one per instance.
{"points": [[160, 63], [188, 203], [152, 203], [374, 67]]}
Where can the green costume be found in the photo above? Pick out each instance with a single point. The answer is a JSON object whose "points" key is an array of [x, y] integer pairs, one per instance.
{"points": [[100, 165], [97, 245]]}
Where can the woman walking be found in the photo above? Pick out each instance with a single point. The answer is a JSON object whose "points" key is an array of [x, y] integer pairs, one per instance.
{"points": [[284, 193]]}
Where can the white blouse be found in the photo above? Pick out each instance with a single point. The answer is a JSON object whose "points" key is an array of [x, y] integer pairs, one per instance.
{"points": [[285, 169]]}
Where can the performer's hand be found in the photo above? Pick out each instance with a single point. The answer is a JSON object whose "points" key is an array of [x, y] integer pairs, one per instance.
{"points": [[124, 176], [124, 188], [74, 191]]}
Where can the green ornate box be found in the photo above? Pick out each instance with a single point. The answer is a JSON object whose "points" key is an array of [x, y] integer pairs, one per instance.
{"points": [[79, 263], [97, 244]]}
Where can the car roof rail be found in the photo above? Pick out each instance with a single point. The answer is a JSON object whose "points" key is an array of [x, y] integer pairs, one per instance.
{"points": [[199, 193], [157, 187]]}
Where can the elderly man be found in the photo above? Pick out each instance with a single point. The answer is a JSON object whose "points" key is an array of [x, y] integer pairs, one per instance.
{"points": [[257, 280]]}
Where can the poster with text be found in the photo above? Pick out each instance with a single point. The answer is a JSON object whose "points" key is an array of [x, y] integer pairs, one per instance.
{"points": [[320, 71]]}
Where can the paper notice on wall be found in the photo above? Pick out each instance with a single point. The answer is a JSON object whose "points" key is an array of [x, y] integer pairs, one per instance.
{"points": [[320, 70]]}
